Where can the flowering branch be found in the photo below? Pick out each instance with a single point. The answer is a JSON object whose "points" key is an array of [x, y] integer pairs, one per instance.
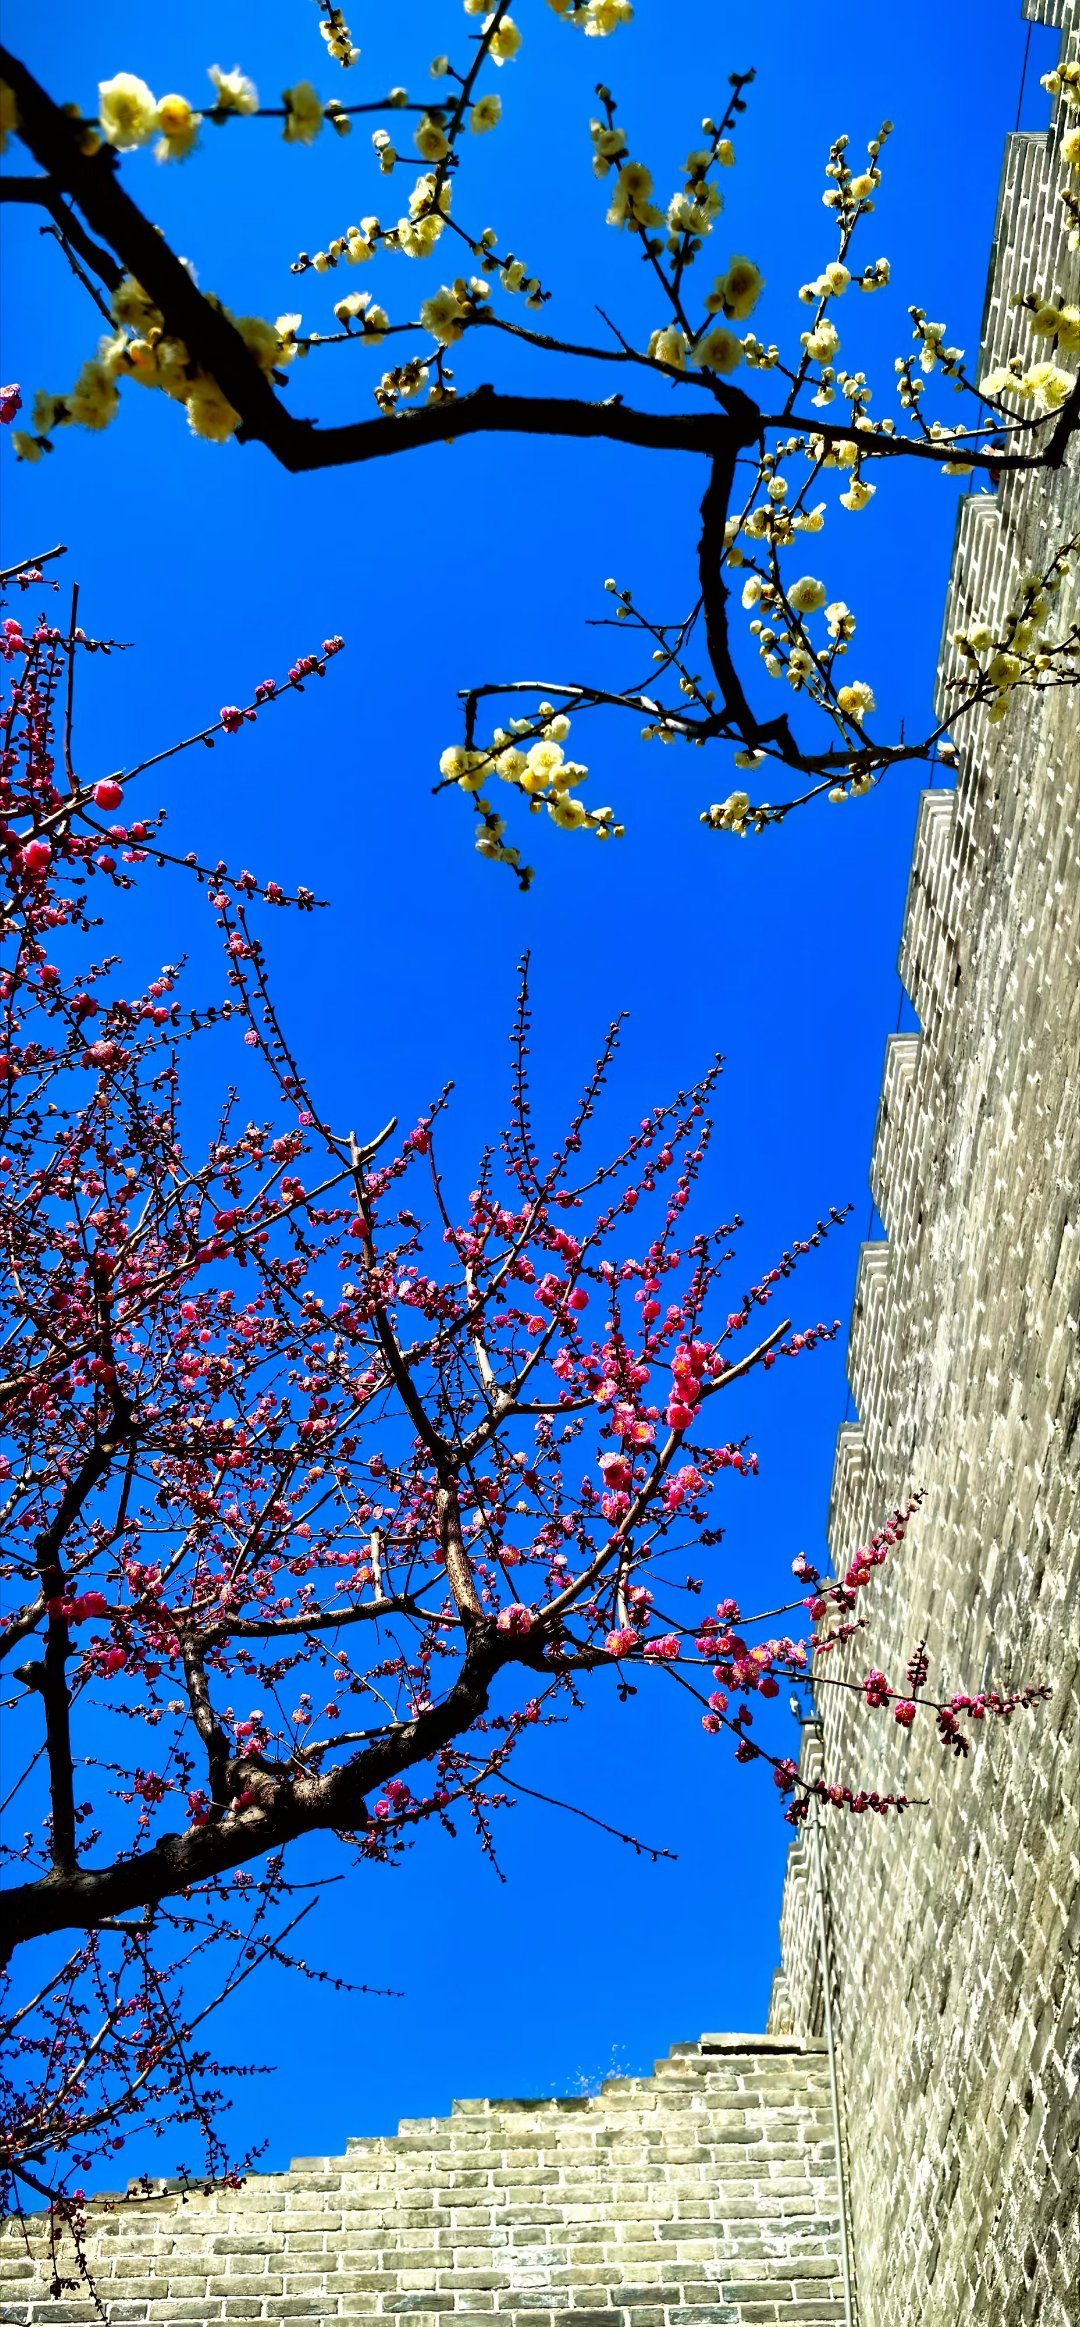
{"points": [[318, 1507], [226, 370]]}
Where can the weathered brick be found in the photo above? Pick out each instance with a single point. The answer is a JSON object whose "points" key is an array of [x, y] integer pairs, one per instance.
{"points": [[948, 1928]]}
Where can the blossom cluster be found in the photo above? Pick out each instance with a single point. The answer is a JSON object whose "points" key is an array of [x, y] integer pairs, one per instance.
{"points": [[1020, 651], [140, 349], [129, 115], [538, 768], [1064, 83]]}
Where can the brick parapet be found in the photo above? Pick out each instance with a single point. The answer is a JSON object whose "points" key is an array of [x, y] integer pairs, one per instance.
{"points": [[704, 2193]]}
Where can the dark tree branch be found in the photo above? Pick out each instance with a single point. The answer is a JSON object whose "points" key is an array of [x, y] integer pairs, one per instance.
{"points": [[213, 1736], [873, 444], [733, 425], [456, 1558], [47, 196], [51, 1674], [80, 1898], [92, 181], [9, 572], [715, 596], [327, 1620], [484, 411]]}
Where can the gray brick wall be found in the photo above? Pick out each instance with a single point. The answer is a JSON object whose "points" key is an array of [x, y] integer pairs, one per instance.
{"points": [[952, 1979], [705, 2193]]}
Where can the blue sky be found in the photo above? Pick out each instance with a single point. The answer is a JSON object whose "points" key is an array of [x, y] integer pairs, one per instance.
{"points": [[480, 560]]}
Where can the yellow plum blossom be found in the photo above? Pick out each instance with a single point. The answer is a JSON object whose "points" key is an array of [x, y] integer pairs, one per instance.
{"points": [[485, 114], [443, 315], [141, 362], [568, 814], [1060, 323], [210, 415], [669, 347], [821, 344], [694, 214], [348, 309], [736, 294], [1047, 385], [339, 40], [806, 595], [418, 237], [630, 201], [127, 111], [48, 412], [506, 40], [233, 92], [718, 351], [357, 307], [303, 114], [466, 769], [544, 761], [856, 700], [999, 382], [179, 126], [94, 400], [427, 197], [360, 241], [112, 354], [171, 369], [604, 16], [430, 140], [129, 304], [454, 762], [858, 494], [607, 144], [732, 813], [260, 338]]}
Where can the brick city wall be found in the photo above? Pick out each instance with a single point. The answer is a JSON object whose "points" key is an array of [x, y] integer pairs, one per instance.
{"points": [[708, 2192], [704, 2193], [951, 1981]]}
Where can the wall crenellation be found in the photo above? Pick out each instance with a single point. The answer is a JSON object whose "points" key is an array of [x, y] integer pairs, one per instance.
{"points": [[704, 2193]]}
